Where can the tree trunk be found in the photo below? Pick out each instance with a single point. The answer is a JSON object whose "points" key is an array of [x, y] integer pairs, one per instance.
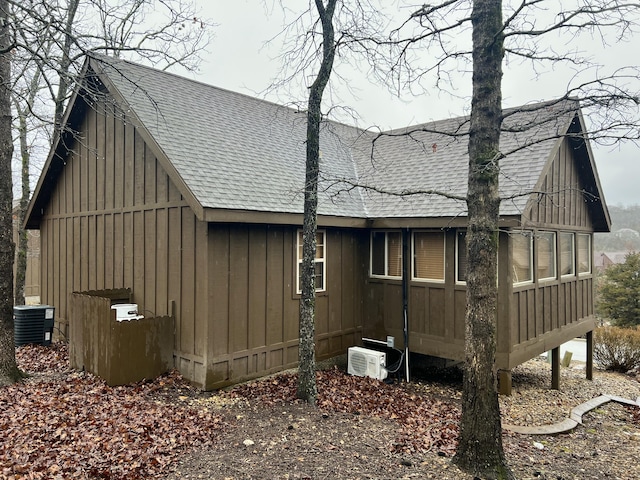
{"points": [[307, 389], [9, 372], [21, 257], [480, 449]]}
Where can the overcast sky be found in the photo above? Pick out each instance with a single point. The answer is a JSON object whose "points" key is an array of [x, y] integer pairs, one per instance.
{"points": [[238, 60]]}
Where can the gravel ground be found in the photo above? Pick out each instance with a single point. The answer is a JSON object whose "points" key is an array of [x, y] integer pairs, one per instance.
{"points": [[534, 403]]}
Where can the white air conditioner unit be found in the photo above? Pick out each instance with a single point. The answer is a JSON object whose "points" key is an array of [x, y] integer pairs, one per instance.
{"points": [[367, 363]]}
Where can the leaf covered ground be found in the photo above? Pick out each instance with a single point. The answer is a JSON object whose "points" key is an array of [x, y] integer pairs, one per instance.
{"points": [[73, 425], [63, 424], [426, 424]]}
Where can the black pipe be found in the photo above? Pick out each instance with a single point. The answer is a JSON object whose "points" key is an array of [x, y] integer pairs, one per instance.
{"points": [[405, 296]]}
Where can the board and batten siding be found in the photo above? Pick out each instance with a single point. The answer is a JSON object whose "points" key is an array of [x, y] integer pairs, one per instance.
{"points": [[531, 318], [115, 220], [436, 310], [563, 205], [545, 313], [253, 325], [32, 273]]}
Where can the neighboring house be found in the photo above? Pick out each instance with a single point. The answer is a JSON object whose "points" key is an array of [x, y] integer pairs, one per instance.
{"points": [[603, 260], [32, 273], [191, 196]]}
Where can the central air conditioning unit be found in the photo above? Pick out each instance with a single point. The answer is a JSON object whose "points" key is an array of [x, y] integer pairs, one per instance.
{"points": [[367, 363]]}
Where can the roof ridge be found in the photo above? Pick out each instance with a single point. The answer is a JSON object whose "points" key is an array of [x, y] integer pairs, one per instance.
{"points": [[109, 60], [531, 106]]}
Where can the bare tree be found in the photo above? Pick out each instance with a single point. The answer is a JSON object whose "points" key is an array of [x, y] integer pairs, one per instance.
{"points": [[27, 86], [302, 52], [480, 442], [9, 372], [610, 96], [307, 389], [431, 44], [49, 42]]}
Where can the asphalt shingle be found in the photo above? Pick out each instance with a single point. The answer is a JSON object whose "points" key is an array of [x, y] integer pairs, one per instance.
{"points": [[242, 153]]}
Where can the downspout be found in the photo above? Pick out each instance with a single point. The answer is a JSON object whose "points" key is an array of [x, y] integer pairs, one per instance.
{"points": [[405, 297]]}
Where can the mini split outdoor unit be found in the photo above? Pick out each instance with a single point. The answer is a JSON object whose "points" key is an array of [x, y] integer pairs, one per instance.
{"points": [[367, 363]]}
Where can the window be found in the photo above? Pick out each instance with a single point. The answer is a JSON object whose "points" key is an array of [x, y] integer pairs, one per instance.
{"points": [[522, 252], [567, 255], [584, 253], [546, 264], [461, 257], [428, 256], [321, 264], [386, 254]]}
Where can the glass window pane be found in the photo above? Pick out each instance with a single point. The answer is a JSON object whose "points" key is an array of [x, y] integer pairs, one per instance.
{"points": [[378, 253], [320, 258], [428, 250], [394, 259], [567, 262], [584, 253], [461, 269], [319, 277], [300, 240], [522, 271], [546, 266], [319, 245]]}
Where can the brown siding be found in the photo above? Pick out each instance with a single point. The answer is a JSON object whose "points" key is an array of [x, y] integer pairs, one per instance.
{"points": [[32, 273], [532, 318], [545, 314], [114, 221], [436, 310], [563, 206], [253, 325]]}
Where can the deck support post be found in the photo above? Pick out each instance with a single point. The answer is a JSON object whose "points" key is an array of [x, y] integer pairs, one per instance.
{"points": [[504, 382], [590, 355], [555, 368]]}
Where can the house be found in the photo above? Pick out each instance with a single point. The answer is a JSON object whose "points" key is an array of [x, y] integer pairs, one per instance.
{"points": [[190, 196], [603, 260], [32, 272]]}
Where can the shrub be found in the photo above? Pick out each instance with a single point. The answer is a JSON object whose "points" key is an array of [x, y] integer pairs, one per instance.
{"points": [[617, 348], [619, 292]]}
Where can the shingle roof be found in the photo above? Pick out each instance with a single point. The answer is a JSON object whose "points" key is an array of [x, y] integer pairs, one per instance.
{"points": [[232, 151], [434, 157], [236, 152]]}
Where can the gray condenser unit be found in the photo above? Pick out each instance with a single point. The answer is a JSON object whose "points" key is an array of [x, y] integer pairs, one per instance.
{"points": [[33, 324]]}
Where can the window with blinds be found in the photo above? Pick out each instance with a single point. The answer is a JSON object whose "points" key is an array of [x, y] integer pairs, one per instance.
{"points": [[428, 256], [386, 254], [567, 254], [584, 253], [394, 254], [522, 257], [461, 257], [546, 261]]}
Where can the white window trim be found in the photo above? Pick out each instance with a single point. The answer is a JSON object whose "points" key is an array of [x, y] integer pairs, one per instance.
{"points": [[457, 247], [589, 255], [573, 257], [528, 234], [554, 250], [386, 254], [323, 260], [413, 253]]}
